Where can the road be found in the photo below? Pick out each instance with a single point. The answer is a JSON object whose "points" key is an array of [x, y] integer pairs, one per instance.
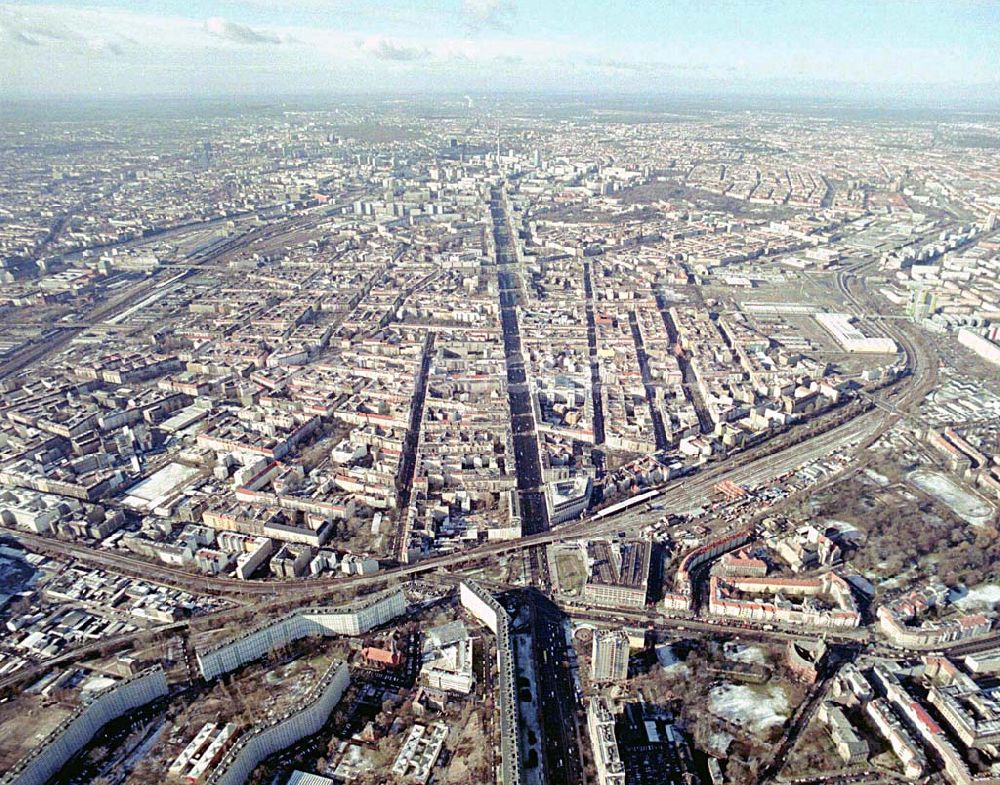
{"points": [[560, 729], [595, 373], [528, 465], [616, 617], [408, 464]]}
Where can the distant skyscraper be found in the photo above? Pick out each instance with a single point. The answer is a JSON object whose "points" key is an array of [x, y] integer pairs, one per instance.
{"points": [[609, 656]]}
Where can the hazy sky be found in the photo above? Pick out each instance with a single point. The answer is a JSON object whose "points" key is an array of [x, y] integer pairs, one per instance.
{"points": [[260, 47]]}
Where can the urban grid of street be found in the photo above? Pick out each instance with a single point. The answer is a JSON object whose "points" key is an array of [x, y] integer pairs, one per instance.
{"points": [[707, 488], [674, 497]]}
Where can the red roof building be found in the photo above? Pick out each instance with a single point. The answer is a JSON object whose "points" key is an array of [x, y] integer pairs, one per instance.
{"points": [[383, 657]]}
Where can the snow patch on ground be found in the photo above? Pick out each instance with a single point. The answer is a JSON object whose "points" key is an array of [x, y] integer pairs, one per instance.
{"points": [[758, 708], [97, 683], [879, 479], [746, 653], [839, 525], [669, 660], [719, 741], [965, 505], [983, 596]]}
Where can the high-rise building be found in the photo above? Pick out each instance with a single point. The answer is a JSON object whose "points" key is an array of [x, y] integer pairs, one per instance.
{"points": [[609, 656], [923, 302]]}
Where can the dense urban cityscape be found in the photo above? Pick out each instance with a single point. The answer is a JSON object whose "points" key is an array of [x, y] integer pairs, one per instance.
{"points": [[499, 438]]}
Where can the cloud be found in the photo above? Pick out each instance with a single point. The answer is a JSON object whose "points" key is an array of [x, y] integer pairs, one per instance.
{"points": [[57, 33], [618, 65], [385, 49], [111, 47], [34, 33], [282, 5], [237, 33], [488, 14], [18, 36], [649, 67]]}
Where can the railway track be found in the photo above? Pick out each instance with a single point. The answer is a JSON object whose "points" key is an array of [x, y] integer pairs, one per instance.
{"points": [[681, 492], [35, 353], [919, 360]]}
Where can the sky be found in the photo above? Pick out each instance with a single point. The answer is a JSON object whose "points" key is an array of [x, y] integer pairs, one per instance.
{"points": [[121, 48]]}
